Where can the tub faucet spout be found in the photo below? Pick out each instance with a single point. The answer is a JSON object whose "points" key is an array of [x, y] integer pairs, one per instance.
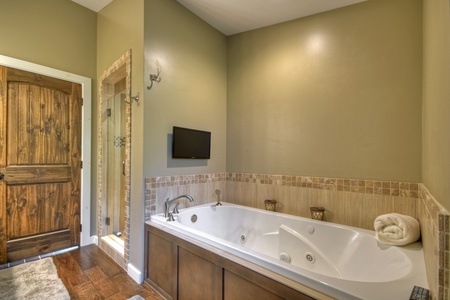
{"points": [[218, 192], [169, 202]]}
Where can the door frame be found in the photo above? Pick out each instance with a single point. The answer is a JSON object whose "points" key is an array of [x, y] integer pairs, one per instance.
{"points": [[86, 119]]}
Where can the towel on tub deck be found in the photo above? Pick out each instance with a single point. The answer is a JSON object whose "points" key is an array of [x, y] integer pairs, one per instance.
{"points": [[396, 229]]}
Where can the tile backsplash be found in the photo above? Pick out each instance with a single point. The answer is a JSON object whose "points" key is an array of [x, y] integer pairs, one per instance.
{"points": [[201, 187], [386, 188], [435, 229], [352, 202]]}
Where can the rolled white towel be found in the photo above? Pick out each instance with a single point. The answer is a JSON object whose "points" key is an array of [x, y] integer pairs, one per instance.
{"points": [[396, 229]]}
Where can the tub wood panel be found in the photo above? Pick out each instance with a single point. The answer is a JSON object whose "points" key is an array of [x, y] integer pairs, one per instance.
{"points": [[178, 269], [198, 278], [251, 279], [161, 266], [237, 287]]}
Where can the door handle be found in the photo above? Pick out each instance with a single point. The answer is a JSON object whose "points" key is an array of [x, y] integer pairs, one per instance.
{"points": [[2, 176]]}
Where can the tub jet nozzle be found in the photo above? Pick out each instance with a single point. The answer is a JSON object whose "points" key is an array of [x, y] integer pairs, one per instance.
{"points": [[285, 257]]}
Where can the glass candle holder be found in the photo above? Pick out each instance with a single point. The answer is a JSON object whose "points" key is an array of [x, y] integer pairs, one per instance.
{"points": [[317, 213], [270, 204]]}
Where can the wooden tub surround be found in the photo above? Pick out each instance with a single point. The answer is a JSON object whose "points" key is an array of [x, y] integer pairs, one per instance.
{"points": [[179, 267]]}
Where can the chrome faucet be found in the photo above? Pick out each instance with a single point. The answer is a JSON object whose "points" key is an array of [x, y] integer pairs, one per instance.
{"points": [[169, 202]]}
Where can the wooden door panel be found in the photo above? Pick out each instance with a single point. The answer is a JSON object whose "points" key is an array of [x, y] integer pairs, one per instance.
{"points": [[15, 75], [3, 239], [3, 122], [34, 126], [38, 126], [40, 155], [27, 247], [34, 209], [33, 174], [74, 189], [55, 149]]}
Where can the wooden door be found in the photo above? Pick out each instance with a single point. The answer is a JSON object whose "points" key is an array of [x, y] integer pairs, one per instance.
{"points": [[40, 164]]}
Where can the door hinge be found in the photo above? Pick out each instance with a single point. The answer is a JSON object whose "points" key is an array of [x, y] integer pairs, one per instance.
{"points": [[81, 164], [108, 221], [82, 101], [81, 227]]}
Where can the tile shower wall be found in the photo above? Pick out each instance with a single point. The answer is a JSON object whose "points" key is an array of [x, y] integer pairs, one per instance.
{"points": [[350, 202]]}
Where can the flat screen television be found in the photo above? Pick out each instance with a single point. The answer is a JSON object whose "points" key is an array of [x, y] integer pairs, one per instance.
{"points": [[191, 143]]}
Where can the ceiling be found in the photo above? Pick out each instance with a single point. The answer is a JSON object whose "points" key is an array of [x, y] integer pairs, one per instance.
{"points": [[95, 5], [234, 16]]}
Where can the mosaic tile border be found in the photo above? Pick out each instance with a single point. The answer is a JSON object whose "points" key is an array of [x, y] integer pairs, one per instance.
{"points": [[385, 188], [436, 219], [125, 59], [180, 180]]}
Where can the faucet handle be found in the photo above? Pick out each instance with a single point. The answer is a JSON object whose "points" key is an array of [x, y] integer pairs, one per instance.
{"points": [[166, 207], [171, 218], [175, 209]]}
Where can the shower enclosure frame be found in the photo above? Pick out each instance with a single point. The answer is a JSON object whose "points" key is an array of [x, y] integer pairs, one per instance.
{"points": [[118, 71]]}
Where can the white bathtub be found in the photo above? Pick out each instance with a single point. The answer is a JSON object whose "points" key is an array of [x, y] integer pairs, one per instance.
{"points": [[340, 261]]}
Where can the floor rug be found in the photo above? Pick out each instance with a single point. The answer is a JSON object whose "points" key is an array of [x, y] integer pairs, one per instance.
{"points": [[34, 280]]}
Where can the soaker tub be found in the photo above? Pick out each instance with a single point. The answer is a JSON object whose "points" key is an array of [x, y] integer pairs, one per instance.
{"points": [[340, 261]]}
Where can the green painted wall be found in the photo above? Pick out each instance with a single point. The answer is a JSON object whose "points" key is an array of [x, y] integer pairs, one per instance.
{"points": [[336, 94], [120, 27], [59, 34], [436, 100], [192, 92]]}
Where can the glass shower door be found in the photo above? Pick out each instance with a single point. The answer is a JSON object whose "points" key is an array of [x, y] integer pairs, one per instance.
{"points": [[114, 138]]}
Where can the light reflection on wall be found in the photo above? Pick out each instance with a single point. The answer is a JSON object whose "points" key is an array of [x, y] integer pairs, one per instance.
{"points": [[316, 43]]}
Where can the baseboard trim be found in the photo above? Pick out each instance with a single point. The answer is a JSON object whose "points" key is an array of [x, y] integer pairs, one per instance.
{"points": [[134, 273], [94, 240]]}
